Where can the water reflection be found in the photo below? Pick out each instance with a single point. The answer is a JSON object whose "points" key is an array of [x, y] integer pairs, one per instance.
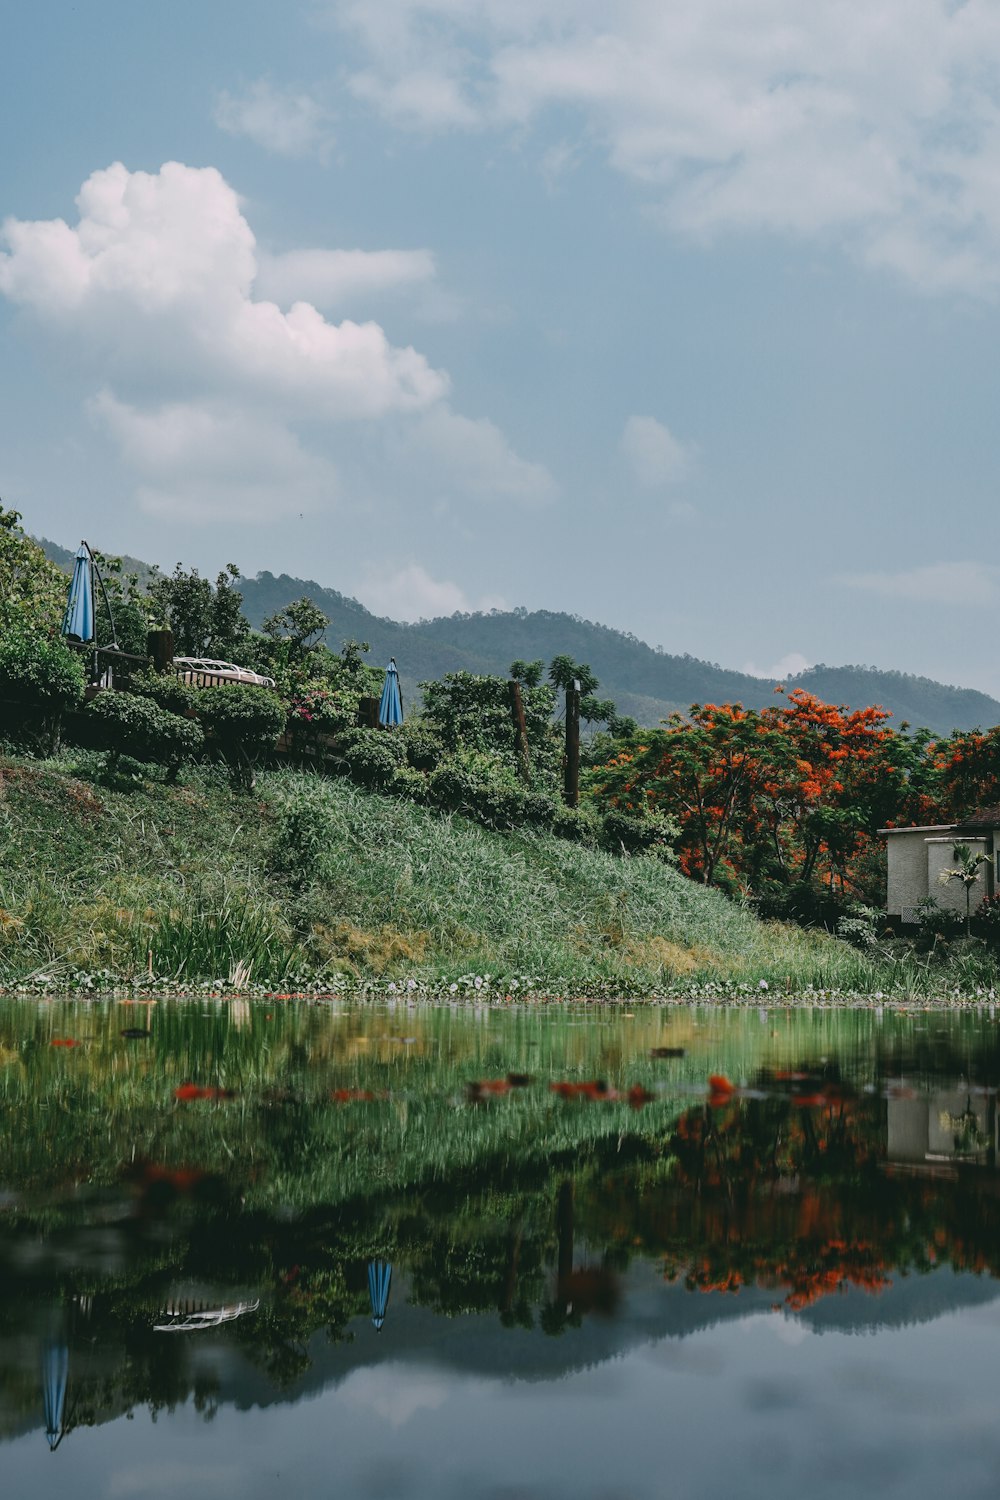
{"points": [[221, 1215]]}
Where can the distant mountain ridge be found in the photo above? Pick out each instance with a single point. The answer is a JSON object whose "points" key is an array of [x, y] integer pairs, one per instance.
{"points": [[645, 682]]}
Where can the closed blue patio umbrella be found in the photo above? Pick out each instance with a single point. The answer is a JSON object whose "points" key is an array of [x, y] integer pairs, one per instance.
{"points": [[379, 1279], [79, 617], [55, 1372], [390, 709]]}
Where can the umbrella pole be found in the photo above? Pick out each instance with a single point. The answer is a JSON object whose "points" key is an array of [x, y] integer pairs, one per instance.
{"points": [[96, 572]]}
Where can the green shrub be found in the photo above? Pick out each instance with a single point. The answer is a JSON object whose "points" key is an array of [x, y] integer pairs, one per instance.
{"points": [[408, 783], [986, 921], [244, 723], [474, 712], [164, 688], [138, 727], [371, 757], [317, 708], [482, 786], [39, 678], [627, 832], [39, 672], [860, 926], [578, 824], [424, 747], [302, 834]]}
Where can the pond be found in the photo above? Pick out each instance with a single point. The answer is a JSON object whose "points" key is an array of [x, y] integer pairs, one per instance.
{"points": [[497, 1251]]}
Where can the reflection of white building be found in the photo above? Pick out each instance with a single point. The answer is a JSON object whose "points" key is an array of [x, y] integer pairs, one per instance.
{"points": [[919, 857], [949, 1125]]}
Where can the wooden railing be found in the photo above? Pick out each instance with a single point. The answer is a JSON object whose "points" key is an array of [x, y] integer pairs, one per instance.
{"points": [[108, 668], [204, 679]]}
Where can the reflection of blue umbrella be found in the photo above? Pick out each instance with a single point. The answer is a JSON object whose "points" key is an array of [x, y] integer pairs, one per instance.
{"points": [[55, 1369], [390, 709], [79, 617], [379, 1278]]}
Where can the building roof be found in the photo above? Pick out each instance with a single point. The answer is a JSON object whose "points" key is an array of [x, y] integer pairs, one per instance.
{"points": [[921, 828], [983, 817], [980, 821]]}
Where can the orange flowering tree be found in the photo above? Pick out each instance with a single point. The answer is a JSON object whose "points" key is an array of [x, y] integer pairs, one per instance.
{"points": [[787, 795]]}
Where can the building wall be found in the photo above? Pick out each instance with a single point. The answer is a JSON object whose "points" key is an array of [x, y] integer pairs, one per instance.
{"points": [[907, 855], [950, 894]]}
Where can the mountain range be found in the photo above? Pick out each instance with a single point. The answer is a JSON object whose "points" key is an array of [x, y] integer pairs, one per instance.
{"points": [[644, 681]]}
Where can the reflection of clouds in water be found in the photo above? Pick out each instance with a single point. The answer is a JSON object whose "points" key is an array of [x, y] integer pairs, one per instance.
{"points": [[788, 1330], [217, 1480], [687, 1358], [395, 1393]]}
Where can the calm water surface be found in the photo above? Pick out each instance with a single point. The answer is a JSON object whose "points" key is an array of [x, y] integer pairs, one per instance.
{"points": [[424, 1251]]}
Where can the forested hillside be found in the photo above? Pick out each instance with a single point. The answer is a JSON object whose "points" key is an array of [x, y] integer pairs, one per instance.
{"points": [[645, 682]]}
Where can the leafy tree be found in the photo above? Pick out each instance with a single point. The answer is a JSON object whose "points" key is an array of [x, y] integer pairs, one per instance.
{"points": [[564, 671], [528, 673], [594, 710], [301, 623], [32, 589], [205, 620], [473, 713], [133, 610], [778, 797]]}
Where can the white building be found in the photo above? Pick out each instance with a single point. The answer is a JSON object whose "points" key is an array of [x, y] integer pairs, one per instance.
{"points": [[919, 857]]}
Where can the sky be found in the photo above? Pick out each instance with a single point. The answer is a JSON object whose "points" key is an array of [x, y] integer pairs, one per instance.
{"points": [[679, 315]]}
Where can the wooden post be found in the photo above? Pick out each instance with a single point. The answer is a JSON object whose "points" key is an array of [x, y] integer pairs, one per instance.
{"points": [[571, 792], [564, 1242], [160, 646], [520, 728], [367, 713]]}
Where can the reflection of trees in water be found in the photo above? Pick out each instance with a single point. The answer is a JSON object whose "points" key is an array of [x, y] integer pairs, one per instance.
{"points": [[526, 1208]]}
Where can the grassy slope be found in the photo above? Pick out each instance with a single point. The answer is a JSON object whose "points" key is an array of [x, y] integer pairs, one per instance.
{"points": [[92, 877]]}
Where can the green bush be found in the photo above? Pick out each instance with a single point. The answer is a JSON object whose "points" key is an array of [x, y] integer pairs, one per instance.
{"points": [[578, 824], [164, 688], [371, 757], [244, 723], [627, 832], [301, 836], [138, 727], [482, 786], [39, 672], [424, 747], [474, 712], [408, 783]]}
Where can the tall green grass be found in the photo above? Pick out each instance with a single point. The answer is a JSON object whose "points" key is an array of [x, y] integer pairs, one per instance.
{"points": [[317, 881]]}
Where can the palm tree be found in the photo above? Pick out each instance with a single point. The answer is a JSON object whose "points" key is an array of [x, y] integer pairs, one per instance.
{"points": [[968, 873]]}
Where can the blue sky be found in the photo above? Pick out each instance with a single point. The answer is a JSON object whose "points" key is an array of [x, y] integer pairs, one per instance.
{"points": [[682, 318]]}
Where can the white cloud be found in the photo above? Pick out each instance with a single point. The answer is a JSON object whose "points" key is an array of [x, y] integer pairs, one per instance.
{"points": [[655, 456], [476, 459], [156, 281], [222, 402], [877, 127], [208, 462], [282, 121], [330, 278], [956, 583], [410, 593], [789, 665], [156, 292]]}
